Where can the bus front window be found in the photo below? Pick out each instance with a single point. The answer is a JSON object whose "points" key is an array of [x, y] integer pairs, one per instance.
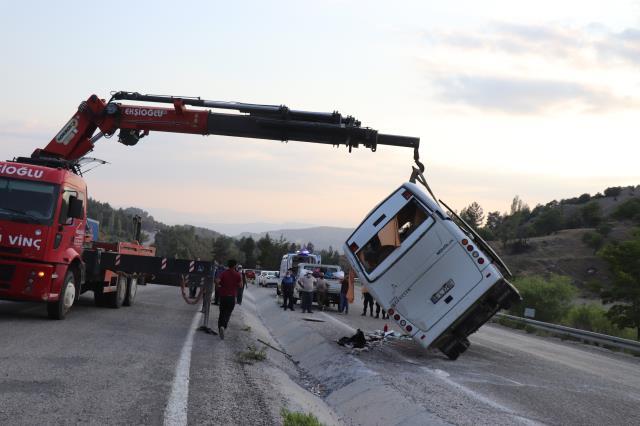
{"points": [[391, 236]]}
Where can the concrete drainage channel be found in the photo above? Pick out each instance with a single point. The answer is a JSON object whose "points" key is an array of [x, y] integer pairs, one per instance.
{"points": [[358, 395]]}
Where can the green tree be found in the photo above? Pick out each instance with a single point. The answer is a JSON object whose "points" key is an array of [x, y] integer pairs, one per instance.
{"points": [[593, 240], [248, 248], [629, 210], [548, 221], [551, 298], [591, 214], [613, 191], [624, 260], [473, 215]]}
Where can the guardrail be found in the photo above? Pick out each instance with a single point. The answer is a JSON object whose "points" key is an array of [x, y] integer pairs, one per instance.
{"points": [[588, 336]]}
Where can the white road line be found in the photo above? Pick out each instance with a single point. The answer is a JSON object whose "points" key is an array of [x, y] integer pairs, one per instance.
{"points": [[175, 414]]}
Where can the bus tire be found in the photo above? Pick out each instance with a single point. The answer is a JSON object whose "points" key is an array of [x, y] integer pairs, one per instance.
{"points": [[116, 299], [132, 290], [58, 310]]}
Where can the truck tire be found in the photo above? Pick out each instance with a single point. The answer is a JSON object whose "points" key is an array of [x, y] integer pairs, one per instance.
{"points": [[132, 290], [58, 310], [116, 298]]}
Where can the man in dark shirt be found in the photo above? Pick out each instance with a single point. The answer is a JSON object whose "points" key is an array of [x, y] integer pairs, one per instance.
{"points": [[227, 284], [288, 283]]}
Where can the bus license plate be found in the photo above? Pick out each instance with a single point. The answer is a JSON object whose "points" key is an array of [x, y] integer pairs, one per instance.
{"points": [[446, 288]]}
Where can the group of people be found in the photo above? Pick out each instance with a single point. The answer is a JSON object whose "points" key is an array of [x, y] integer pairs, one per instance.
{"points": [[307, 285], [368, 303]]}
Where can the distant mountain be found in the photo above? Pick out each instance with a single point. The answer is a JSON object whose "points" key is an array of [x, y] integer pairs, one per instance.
{"points": [[254, 227], [322, 237]]}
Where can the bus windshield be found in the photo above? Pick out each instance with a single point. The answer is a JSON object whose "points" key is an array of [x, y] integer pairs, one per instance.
{"points": [[391, 236], [24, 200]]}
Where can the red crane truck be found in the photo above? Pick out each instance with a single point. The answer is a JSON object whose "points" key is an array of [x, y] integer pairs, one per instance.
{"points": [[43, 253]]}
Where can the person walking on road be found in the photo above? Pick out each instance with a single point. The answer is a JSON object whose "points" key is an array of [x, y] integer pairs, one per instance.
{"points": [[344, 302], [306, 283], [287, 285], [243, 286], [368, 300], [321, 291], [227, 284]]}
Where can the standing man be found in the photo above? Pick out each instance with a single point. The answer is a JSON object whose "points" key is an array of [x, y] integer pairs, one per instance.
{"points": [[306, 284], [368, 300], [244, 283], [344, 290], [219, 269], [227, 284], [321, 291], [287, 285]]}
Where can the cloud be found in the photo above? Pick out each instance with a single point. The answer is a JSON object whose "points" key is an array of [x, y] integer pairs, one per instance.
{"points": [[525, 96], [594, 44]]}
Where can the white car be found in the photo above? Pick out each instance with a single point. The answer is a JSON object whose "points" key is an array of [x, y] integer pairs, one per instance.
{"points": [[269, 278]]}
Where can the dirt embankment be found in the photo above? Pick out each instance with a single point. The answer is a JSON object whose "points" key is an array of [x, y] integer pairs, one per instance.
{"points": [[564, 253]]}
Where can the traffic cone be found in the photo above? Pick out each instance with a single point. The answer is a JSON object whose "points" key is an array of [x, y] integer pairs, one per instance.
{"points": [[386, 328]]}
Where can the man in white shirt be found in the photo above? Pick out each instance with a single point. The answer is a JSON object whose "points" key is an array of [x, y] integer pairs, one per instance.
{"points": [[306, 283]]}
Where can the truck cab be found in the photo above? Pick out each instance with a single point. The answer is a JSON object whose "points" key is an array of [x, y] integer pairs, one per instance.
{"points": [[42, 232]]}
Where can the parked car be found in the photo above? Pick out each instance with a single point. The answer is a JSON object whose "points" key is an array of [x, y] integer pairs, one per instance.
{"points": [[269, 278]]}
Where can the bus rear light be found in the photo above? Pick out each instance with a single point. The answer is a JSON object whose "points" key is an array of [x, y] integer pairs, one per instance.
{"points": [[407, 194], [353, 247], [409, 328], [475, 254], [40, 274], [396, 317], [469, 247], [465, 242], [390, 311], [481, 261]]}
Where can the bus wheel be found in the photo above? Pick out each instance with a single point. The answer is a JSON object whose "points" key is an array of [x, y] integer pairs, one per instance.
{"points": [[455, 348], [132, 290], [58, 310], [116, 298]]}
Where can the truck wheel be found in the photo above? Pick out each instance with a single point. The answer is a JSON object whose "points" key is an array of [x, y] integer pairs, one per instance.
{"points": [[116, 298], [132, 290], [58, 310]]}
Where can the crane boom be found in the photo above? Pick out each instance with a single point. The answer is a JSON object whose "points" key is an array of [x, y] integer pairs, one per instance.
{"points": [[271, 122]]}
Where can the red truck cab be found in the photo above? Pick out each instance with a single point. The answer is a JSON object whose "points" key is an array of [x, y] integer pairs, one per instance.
{"points": [[42, 229]]}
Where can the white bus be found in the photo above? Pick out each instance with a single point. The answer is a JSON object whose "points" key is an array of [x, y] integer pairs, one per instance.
{"points": [[439, 281]]}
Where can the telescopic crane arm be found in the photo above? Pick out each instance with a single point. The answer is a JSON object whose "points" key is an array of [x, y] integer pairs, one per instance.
{"points": [[272, 122]]}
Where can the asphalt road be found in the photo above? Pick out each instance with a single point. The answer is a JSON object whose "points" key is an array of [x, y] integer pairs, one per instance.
{"points": [[506, 377], [128, 366], [108, 366]]}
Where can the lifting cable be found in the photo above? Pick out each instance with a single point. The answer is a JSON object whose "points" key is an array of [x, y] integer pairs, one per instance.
{"points": [[417, 174]]}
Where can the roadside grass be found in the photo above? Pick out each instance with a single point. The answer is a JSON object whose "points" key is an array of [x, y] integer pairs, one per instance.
{"points": [[291, 418], [252, 354]]}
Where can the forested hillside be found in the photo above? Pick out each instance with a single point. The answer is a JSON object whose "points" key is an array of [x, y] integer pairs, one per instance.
{"points": [[190, 242]]}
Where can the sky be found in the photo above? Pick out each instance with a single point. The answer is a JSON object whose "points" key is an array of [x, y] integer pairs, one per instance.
{"points": [[536, 99]]}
